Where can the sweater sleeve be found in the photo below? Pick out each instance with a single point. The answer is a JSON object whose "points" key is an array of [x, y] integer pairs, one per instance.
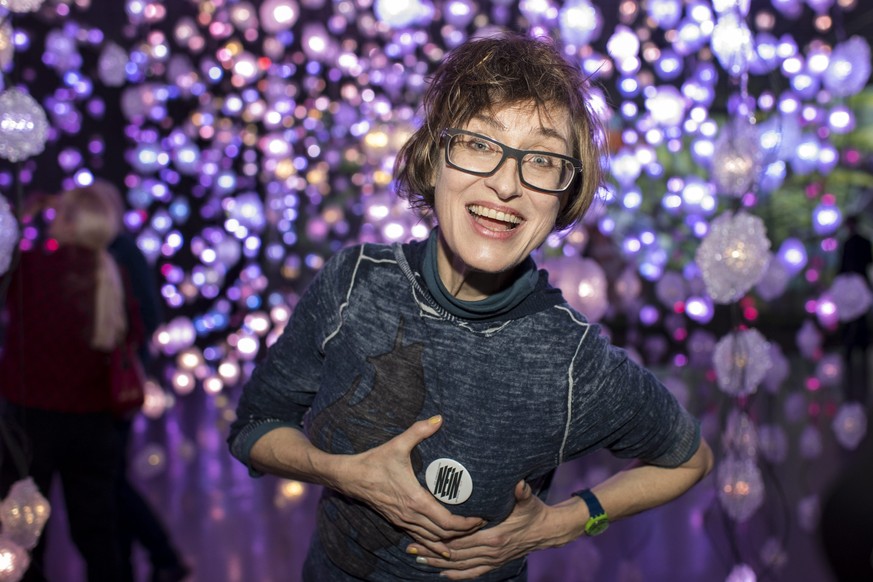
{"points": [[619, 405], [283, 386]]}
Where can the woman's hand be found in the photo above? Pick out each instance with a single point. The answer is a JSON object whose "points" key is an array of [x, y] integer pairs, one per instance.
{"points": [[522, 532], [384, 479]]}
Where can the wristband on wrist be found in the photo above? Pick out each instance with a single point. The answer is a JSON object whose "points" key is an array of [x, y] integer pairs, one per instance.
{"points": [[598, 521]]}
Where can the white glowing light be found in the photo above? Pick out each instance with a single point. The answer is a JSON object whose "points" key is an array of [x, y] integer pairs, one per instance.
{"points": [[21, 6], [580, 22], [402, 13], [23, 125], [278, 15]]}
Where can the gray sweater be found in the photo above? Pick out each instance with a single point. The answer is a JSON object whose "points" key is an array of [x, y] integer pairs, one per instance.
{"points": [[369, 351]]}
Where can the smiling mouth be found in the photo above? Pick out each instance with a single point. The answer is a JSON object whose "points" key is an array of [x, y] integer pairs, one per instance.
{"points": [[493, 219]]}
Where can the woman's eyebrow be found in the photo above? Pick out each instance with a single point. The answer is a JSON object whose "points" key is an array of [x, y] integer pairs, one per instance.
{"points": [[543, 131]]}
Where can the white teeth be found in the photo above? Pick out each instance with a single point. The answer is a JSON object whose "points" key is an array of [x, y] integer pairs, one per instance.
{"points": [[493, 214]]}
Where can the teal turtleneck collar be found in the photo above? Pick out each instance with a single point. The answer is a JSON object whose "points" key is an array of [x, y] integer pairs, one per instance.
{"points": [[494, 305]]}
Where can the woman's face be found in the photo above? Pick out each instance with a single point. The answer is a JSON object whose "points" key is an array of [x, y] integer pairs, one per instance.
{"points": [[490, 224], [63, 228]]}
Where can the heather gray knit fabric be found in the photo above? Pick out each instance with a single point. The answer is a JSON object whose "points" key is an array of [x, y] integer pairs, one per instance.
{"points": [[369, 351]]}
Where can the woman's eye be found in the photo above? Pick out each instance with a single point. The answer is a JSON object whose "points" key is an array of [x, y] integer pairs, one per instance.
{"points": [[542, 161], [480, 145]]}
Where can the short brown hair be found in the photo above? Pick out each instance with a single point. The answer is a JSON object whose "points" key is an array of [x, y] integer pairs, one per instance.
{"points": [[483, 74]]}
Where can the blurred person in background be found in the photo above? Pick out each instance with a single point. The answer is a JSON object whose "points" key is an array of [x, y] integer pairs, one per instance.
{"points": [[856, 256], [138, 521], [66, 314]]}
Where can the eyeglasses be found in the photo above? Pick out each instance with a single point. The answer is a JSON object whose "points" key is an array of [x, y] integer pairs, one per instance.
{"points": [[480, 155]]}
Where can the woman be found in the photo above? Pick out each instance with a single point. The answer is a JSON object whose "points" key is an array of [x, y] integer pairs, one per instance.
{"points": [[433, 388], [66, 314]]}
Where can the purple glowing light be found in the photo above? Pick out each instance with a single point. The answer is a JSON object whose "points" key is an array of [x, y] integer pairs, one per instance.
{"points": [[792, 254]]}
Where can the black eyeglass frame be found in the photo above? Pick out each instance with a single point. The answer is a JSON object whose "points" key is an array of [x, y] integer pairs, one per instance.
{"points": [[509, 152]]}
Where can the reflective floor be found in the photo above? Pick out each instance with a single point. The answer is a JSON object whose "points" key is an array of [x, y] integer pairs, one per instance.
{"points": [[232, 528]]}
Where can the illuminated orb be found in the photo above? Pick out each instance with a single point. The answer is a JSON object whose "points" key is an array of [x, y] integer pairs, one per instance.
{"points": [[664, 13], [808, 339], [740, 435], [583, 283], [14, 560], [8, 234], [741, 361], [671, 289], [111, 67], [24, 513], [740, 487], [811, 445], [7, 45], [793, 256], [403, 13], [21, 6], [150, 461], [732, 44], [580, 22], [736, 161], [851, 296], [741, 573], [849, 67], [778, 370], [775, 280], [278, 15], [773, 443], [826, 219], [628, 285], [733, 255], [850, 425], [829, 370], [23, 125], [809, 513]]}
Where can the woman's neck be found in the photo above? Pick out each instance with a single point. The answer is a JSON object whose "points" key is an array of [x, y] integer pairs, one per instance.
{"points": [[465, 283]]}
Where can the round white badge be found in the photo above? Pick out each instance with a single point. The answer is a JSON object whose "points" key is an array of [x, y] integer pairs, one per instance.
{"points": [[449, 481]]}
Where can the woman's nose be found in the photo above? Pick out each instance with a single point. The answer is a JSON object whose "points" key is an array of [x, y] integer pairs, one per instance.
{"points": [[505, 181]]}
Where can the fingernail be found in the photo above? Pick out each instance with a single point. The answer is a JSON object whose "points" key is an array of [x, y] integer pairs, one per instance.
{"points": [[421, 560], [412, 550], [446, 555], [436, 419]]}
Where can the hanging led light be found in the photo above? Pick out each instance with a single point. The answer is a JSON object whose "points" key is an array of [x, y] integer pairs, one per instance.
{"points": [[23, 125], [732, 44], [851, 296], [14, 560], [111, 67], [403, 13], [583, 282], [773, 443], [21, 6], [7, 45], [8, 234], [741, 361], [580, 22], [742, 573], [278, 15], [849, 68], [733, 255], [24, 513], [850, 424], [736, 160], [740, 487]]}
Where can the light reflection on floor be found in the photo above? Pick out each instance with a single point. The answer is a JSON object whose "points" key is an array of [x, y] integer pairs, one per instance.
{"points": [[231, 528]]}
